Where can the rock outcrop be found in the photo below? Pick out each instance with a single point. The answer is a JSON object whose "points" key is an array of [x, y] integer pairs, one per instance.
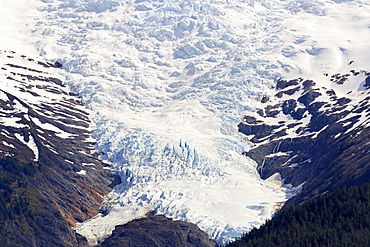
{"points": [[158, 231]]}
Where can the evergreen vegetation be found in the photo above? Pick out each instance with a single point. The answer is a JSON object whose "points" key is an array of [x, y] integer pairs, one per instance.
{"points": [[18, 202], [26, 217], [341, 218]]}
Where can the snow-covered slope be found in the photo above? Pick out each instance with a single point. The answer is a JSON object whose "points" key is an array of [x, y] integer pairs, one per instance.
{"points": [[167, 83]]}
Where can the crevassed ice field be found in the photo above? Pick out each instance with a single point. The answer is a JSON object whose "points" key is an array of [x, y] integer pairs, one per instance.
{"points": [[167, 82]]}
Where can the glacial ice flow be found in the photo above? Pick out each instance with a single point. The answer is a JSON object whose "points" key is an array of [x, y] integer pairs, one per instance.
{"points": [[168, 81]]}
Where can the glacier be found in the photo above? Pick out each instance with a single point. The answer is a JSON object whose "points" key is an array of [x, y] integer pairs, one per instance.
{"points": [[166, 83]]}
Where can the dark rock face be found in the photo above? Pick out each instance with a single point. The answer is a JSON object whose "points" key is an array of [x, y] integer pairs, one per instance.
{"points": [[281, 84], [320, 142], [158, 231], [308, 97], [50, 178]]}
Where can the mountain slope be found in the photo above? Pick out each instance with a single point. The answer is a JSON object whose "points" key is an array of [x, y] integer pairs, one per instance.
{"points": [[314, 134], [50, 178]]}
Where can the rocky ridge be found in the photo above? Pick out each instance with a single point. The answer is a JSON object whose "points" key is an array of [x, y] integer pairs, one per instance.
{"points": [[314, 134]]}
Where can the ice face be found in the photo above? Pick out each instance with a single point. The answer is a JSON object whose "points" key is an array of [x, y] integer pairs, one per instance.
{"points": [[167, 82]]}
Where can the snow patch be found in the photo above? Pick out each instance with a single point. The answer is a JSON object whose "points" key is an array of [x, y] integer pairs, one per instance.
{"points": [[30, 144], [82, 172]]}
